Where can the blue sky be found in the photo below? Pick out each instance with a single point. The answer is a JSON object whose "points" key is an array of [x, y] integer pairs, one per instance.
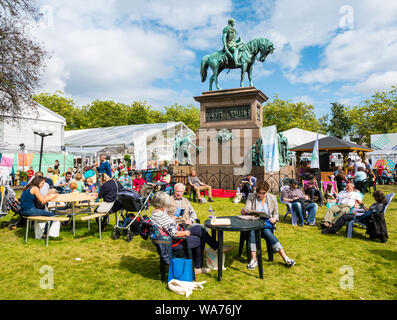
{"points": [[127, 50]]}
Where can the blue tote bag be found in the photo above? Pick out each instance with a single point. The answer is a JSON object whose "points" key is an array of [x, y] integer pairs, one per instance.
{"points": [[180, 269]]}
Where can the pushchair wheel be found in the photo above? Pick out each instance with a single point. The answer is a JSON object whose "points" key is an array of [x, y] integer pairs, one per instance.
{"points": [[115, 235], [130, 236]]}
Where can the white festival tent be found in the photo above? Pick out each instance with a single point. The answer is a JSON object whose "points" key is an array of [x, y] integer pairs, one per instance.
{"points": [[297, 137], [117, 141]]}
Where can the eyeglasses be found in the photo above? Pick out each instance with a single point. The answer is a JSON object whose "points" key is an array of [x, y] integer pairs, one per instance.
{"points": [[262, 192]]}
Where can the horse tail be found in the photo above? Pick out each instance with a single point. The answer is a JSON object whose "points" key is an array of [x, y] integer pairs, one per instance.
{"points": [[204, 68]]}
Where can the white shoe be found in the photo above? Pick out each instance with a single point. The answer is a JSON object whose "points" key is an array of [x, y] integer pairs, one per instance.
{"points": [[252, 265]]}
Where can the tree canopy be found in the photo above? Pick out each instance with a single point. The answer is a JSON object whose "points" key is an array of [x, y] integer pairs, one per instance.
{"points": [[98, 114], [287, 115], [21, 59]]}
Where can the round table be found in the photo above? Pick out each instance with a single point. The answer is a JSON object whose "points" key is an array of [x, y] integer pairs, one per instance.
{"points": [[238, 225]]}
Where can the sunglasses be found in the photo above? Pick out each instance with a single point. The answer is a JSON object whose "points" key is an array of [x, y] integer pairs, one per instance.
{"points": [[262, 192]]}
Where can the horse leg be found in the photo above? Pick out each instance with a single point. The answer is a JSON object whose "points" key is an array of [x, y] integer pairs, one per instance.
{"points": [[216, 79], [211, 81], [243, 71], [250, 75]]}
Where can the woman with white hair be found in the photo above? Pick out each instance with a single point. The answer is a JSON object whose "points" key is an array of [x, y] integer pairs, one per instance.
{"points": [[197, 237]]}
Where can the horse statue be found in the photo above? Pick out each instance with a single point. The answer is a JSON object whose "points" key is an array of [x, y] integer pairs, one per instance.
{"points": [[218, 61]]}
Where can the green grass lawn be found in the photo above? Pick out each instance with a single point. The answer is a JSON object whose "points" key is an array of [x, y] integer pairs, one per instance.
{"points": [[111, 269]]}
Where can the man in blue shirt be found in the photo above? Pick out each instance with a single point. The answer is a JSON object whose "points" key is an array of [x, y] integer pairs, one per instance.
{"points": [[104, 166]]}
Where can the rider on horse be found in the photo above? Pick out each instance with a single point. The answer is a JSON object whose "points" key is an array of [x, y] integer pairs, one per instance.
{"points": [[230, 45]]}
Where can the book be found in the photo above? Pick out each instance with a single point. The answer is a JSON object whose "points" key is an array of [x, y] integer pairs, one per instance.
{"points": [[221, 222]]}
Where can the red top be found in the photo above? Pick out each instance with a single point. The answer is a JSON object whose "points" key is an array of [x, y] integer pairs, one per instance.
{"points": [[138, 182], [30, 173]]}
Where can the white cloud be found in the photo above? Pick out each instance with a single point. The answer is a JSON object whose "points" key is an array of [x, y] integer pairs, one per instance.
{"points": [[376, 82]]}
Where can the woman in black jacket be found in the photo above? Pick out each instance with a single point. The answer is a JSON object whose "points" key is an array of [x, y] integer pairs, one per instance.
{"points": [[109, 193]]}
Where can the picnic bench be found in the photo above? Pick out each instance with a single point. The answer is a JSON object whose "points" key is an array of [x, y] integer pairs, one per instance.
{"points": [[45, 219]]}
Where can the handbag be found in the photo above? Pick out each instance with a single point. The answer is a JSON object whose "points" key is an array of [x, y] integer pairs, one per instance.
{"points": [[180, 269], [212, 259], [268, 224]]}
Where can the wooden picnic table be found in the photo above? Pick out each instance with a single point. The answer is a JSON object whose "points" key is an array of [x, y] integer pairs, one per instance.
{"points": [[75, 199]]}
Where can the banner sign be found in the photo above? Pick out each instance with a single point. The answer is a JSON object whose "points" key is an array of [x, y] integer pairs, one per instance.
{"points": [[270, 148]]}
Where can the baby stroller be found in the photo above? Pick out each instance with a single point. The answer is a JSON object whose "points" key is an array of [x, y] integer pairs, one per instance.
{"points": [[9, 202], [126, 221]]}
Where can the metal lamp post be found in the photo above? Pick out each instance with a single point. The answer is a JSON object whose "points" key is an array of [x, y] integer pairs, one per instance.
{"points": [[43, 132], [63, 148]]}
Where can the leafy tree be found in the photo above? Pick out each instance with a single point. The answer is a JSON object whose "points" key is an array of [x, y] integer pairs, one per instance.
{"points": [[340, 124], [375, 115], [21, 59], [140, 113], [65, 107], [189, 115], [108, 113], [287, 115]]}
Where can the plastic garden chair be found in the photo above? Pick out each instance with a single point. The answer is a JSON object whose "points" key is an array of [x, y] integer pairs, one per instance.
{"points": [[351, 223], [289, 209]]}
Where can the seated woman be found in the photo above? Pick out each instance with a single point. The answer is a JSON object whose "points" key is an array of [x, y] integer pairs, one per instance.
{"points": [[265, 202], [377, 207], [247, 185], [164, 180], [330, 194], [311, 189], [109, 193], [79, 182], [32, 199], [138, 182], [197, 237]]}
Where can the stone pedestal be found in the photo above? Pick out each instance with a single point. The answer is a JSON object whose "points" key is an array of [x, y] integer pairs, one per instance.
{"points": [[238, 110]]}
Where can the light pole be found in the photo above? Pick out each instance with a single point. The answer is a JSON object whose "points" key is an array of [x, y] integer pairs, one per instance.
{"points": [[22, 146], [63, 148], [43, 132]]}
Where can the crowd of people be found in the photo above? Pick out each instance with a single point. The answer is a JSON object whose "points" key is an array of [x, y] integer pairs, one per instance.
{"points": [[175, 215]]}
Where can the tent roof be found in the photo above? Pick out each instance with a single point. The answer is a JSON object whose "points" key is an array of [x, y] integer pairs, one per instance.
{"points": [[331, 144], [297, 136], [117, 136], [41, 113]]}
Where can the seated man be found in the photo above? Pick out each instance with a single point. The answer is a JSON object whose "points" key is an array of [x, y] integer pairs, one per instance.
{"points": [[180, 207], [387, 176], [311, 188], [198, 186], [247, 185], [64, 183], [377, 208], [125, 180], [347, 199], [300, 203]]}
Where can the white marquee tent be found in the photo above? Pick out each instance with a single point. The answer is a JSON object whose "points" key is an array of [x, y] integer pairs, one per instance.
{"points": [[119, 140], [297, 137]]}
